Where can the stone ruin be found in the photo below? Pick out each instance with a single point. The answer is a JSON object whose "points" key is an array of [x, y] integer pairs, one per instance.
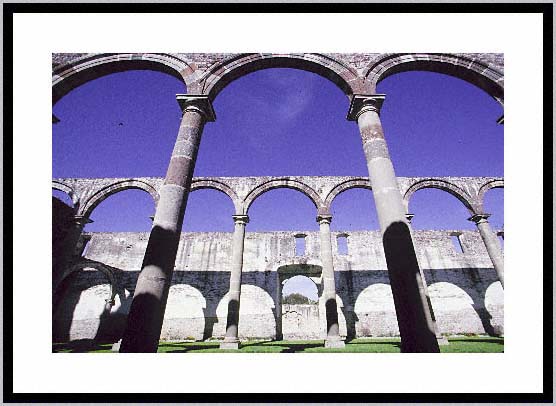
{"points": [[169, 285]]}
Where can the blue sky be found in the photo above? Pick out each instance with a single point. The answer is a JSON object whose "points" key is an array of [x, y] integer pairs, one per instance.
{"points": [[279, 122]]}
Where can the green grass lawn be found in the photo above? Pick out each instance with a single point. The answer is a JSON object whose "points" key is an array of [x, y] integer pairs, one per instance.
{"points": [[368, 345]]}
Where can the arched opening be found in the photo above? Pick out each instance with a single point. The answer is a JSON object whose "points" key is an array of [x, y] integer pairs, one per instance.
{"points": [[68, 76], [435, 209], [184, 318], [208, 210], [300, 288], [257, 318], [438, 125], [280, 121], [354, 210], [119, 125], [283, 210], [438, 210], [455, 311], [494, 304], [462, 67], [375, 312], [124, 211], [84, 301], [228, 71]]}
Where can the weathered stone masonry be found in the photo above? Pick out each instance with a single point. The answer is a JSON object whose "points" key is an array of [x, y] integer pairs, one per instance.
{"points": [[463, 287], [205, 76]]}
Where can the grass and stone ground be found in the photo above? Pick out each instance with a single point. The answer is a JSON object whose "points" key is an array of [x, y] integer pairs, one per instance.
{"points": [[368, 345]]}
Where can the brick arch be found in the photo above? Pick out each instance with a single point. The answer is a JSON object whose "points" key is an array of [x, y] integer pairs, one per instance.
{"points": [[451, 188], [493, 184], [461, 66], [70, 75], [223, 73], [221, 187], [57, 185], [361, 183], [282, 183], [107, 191]]}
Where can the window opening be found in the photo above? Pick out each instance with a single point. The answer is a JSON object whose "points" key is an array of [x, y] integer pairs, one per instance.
{"points": [[457, 243], [341, 241], [300, 245]]}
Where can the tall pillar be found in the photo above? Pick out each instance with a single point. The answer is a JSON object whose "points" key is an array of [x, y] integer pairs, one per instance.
{"points": [[146, 314], [333, 339], [231, 340], [491, 243], [412, 310]]}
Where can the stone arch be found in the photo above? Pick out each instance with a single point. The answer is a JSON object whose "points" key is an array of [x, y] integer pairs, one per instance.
{"points": [[256, 314], [494, 305], [310, 261], [82, 306], [184, 317], [107, 191], [461, 66], [492, 184], [223, 73], [362, 183], [68, 76], [219, 186], [454, 309], [57, 185], [114, 286], [375, 313], [282, 183], [449, 187]]}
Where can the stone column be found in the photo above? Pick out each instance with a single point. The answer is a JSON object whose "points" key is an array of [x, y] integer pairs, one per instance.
{"points": [[231, 340], [333, 339], [146, 314], [491, 243], [412, 310]]}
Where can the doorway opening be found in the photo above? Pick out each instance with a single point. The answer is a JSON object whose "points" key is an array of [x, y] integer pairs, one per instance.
{"points": [[300, 287]]}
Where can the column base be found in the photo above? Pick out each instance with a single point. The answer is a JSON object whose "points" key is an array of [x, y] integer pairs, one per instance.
{"points": [[232, 344], [442, 340], [335, 342], [116, 346]]}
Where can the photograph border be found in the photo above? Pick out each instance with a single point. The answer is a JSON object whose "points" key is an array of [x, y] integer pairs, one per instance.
{"points": [[9, 9]]}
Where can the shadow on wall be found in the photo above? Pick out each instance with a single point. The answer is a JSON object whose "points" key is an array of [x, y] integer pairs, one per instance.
{"points": [[214, 285], [63, 307]]}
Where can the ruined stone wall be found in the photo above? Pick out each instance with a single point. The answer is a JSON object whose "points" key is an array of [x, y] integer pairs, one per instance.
{"points": [[465, 294]]}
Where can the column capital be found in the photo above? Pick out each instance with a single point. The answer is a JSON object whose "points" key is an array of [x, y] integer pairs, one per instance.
{"points": [[241, 219], [81, 220], [409, 217], [324, 218], [197, 102], [360, 103], [479, 218]]}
